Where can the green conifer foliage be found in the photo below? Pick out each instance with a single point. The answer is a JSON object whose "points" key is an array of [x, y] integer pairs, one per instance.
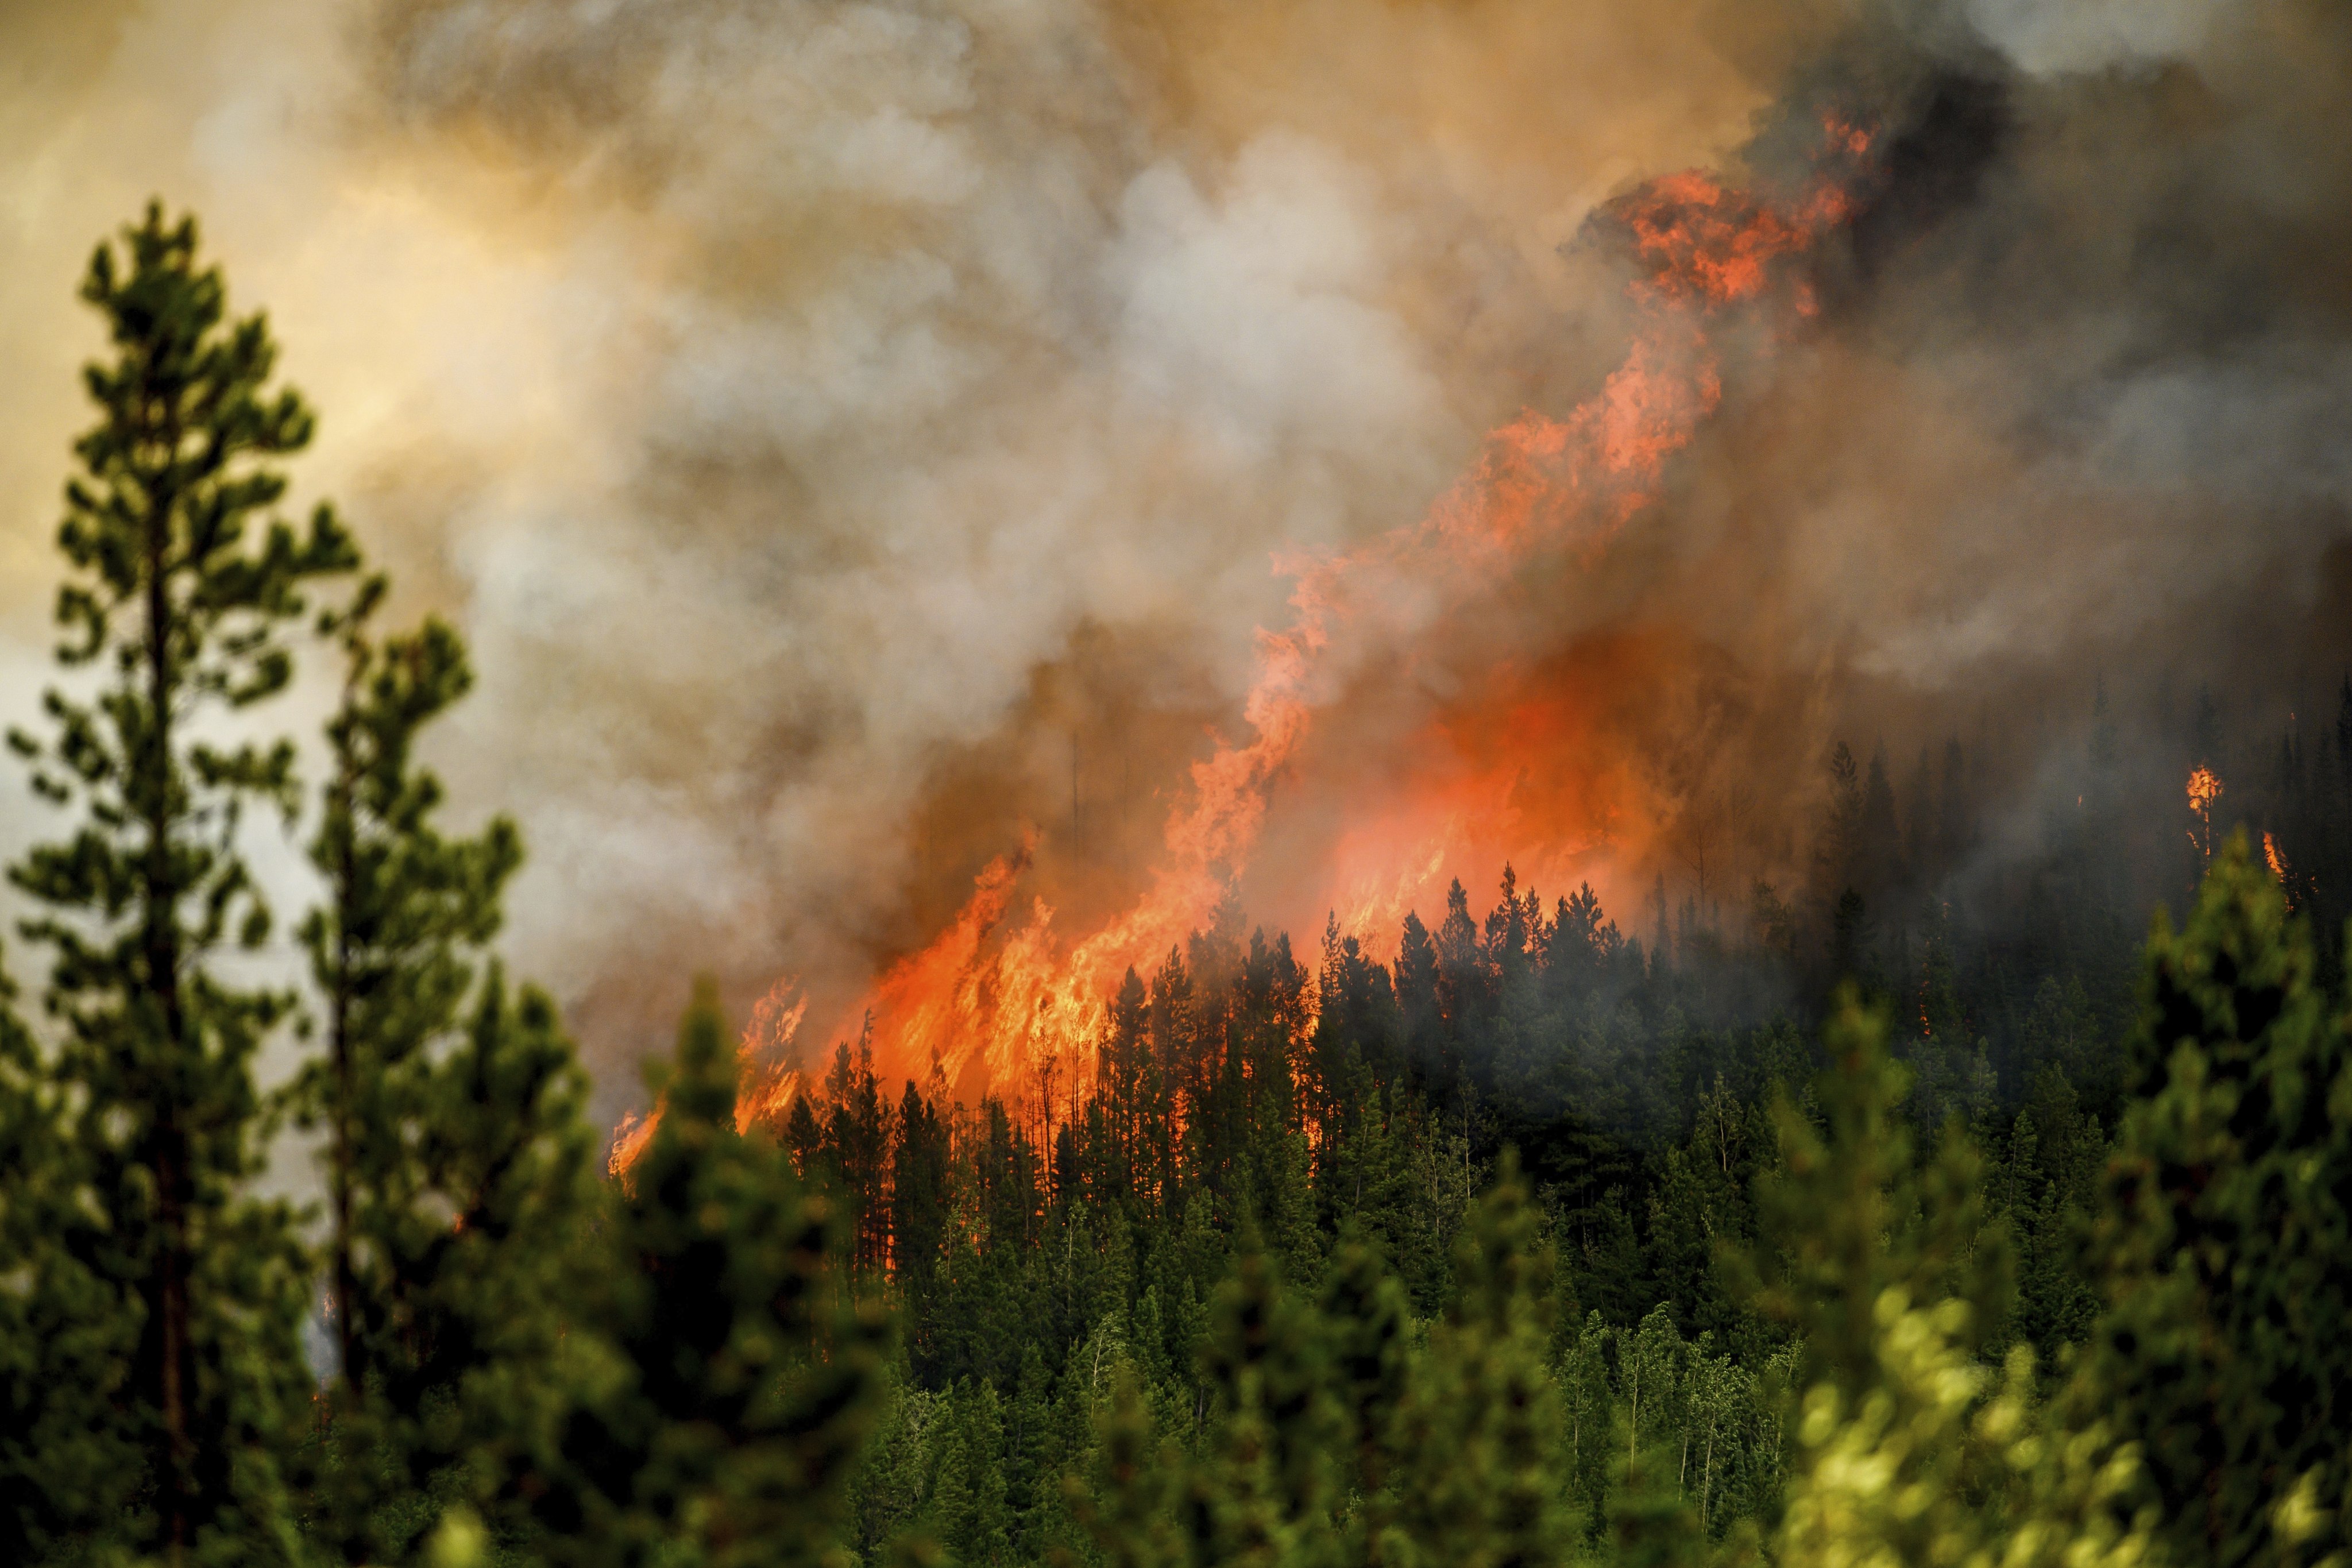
{"points": [[1484, 1396], [470, 1254], [1369, 1327], [65, 1343], [1847, 1217], [458, 1166], [178, 600], [1130, 1505], [728, 1380], [2226, 1247], [1906, 1449]]}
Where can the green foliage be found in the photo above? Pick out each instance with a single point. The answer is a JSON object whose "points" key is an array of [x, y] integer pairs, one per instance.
{"points": [[458, 1166], [1531, 1247], [1847, 1218], [1928, 1463], [65, 1343], [180, 605], [470, 1239], [2226, 1247], [1485, 1398], [1326, 1411], [727, 1379], [1906, 1451]]}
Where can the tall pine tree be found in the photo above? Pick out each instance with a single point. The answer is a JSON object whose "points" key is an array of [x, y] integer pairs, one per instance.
{"points": [[726, 1379], [459, 1169], [2226, 1244], [177, 598]]}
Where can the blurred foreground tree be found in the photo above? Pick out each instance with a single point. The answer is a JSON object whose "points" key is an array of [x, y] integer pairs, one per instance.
{"points": [[726, 1377], [2226, 1243], [66, 1461], [1908, 1450]]}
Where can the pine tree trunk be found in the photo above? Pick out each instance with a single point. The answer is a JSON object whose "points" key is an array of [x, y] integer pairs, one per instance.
{"points": [[346, 1283], [175, 1375]]}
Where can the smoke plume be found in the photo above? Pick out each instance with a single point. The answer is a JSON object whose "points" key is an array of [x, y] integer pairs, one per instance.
{"points": [[860, 439]]}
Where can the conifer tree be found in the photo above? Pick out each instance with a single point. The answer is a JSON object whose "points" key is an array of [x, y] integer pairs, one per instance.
{"points": [[727, 1380], [65, 1343], [457, 1167], [1847, 1218], [404, 907], [178, 599], [2227, 1242], [1484, 1398]]}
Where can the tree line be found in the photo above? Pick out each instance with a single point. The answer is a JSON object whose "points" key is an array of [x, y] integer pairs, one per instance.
{"points": [[1870, 1231]]}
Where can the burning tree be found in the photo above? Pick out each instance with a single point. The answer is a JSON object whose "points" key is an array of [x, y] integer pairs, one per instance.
{"points": [[2204, 789]]}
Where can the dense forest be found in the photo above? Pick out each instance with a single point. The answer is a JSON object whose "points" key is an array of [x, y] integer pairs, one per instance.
{"points": [[1915, 1214]]}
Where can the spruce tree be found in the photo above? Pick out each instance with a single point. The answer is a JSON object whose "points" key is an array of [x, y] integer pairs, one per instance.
{"points": [[177, 598]]}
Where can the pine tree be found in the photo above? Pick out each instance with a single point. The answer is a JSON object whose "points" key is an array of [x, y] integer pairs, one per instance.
{"points": [[431, 1188], [728, 1380], [920, 1199], [1484, 1399], [1418, 999], [181, 608], [471, 1315], [2227, 1244], [66, 1346]]}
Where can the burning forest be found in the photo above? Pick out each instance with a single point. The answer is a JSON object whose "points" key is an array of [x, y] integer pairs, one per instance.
{"points": [[1463, 782]]}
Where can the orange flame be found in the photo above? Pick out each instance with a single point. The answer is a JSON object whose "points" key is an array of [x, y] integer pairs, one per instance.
{"points": [[769, 1082], [995, 1000], [2277, 861], [2204, 789]]}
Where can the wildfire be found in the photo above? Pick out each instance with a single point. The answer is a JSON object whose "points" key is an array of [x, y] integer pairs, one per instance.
{"points": [[1001, 997], [2204, 789], [770, 1085], [2277, 861]]}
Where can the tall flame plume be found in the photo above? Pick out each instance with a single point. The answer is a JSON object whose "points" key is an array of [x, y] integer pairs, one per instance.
{"points": [[1001, 1001]]}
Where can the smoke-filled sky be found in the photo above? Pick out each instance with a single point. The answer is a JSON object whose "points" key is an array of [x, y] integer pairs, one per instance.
{"points": [[850, 432]]}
